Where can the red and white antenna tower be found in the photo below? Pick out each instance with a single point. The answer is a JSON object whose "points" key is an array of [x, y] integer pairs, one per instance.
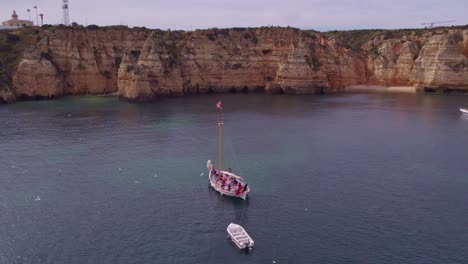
{"points": [[66, 16]]}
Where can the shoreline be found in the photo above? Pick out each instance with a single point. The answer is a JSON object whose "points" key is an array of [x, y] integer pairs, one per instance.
{"points": [[380, 88], [365, 89]]}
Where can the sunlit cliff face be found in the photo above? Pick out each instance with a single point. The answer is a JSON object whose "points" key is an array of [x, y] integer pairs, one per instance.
{"points": [[143, 65]]}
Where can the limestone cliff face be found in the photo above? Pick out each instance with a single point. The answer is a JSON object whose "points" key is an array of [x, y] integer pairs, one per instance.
{"points": [[67, 61], [442, 64], [392, 62], [279, 60], [37, 77], [433, 61], [142, 65], [150, 72]]}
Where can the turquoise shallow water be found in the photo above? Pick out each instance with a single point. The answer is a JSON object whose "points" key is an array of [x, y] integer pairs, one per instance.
{"points": [[353, 178]]}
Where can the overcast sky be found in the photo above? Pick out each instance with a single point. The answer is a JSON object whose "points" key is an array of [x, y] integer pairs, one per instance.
{"points": [[305, 14]]}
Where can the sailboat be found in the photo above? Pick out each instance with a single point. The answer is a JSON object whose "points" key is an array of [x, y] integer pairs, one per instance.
{"points": [[225, 182], [464, 111]]}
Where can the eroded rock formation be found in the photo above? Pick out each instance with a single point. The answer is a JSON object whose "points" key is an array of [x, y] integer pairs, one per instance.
{"points": [[442, 63], [281, 60], [143, 65]]}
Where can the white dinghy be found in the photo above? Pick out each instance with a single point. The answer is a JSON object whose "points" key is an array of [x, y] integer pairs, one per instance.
{"points": [[239, 236], [464, 111]]}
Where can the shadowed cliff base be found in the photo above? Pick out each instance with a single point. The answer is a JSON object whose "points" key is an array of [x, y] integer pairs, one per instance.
{"points": [[140, 64]]}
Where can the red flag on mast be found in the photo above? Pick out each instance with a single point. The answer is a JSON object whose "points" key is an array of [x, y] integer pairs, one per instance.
{"points": [[218, 105]]}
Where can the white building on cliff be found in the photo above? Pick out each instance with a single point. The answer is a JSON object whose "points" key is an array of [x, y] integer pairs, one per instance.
{"points": [[14, 22]]}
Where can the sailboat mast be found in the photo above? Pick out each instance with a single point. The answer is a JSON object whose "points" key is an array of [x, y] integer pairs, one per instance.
{"points": [[220, 146], [220, 124]]}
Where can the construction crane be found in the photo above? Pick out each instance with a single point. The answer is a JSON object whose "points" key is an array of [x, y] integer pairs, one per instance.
{"points": [[431, 24]]}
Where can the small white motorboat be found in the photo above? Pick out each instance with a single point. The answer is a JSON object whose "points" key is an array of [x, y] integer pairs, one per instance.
{"points": [[240, 237], [227, 183], [464, 111]]}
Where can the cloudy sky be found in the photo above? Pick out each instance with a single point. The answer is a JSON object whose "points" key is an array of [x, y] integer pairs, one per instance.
{"points": [[192, 14]]}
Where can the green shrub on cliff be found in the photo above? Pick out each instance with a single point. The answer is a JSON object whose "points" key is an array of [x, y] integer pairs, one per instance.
{"points": [[12, 38], [106, 74], [80, 67], [313, 62], [12, 44], [456, 37], [92, 27], [353, 39], [172, 59]]}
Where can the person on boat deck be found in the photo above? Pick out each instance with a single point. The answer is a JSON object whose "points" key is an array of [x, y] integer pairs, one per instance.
{"points": [[214, 173], [245, 187], [222, 178], [239, 189], [230, 170], [223, 183]]}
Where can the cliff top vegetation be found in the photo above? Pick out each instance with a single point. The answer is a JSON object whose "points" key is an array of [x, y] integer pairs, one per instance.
{"points": [[354, 39], [12, 44]]}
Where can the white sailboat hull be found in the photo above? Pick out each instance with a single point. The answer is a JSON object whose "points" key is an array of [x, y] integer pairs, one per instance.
{"points": [[224, 191], [464, 111], [239, 237]]}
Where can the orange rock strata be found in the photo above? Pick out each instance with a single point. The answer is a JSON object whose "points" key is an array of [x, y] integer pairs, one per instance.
{"points": [[142, 65]]}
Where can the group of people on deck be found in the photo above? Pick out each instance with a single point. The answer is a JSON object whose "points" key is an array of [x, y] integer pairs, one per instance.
{"points": [[228, 182]]}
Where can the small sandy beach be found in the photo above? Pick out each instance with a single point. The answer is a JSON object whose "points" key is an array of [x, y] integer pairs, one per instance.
{"points": [[378, 88]]}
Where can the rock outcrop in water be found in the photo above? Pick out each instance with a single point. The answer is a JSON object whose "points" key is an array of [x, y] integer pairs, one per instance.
{"points": [[143, 64]]}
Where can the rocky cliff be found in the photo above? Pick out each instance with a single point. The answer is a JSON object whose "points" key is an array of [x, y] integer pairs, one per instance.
{"points": [[68, 61], [279, 60], [142, 64]]}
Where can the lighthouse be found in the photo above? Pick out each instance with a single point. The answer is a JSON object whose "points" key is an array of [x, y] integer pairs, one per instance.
{"points": [[15, 22]]}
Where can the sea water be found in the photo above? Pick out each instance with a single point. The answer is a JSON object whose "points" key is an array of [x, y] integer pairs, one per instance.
{"points": [[351, 178]]}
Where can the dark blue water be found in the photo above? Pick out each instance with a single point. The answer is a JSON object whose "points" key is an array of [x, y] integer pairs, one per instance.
{"points": [[355, 178]]}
